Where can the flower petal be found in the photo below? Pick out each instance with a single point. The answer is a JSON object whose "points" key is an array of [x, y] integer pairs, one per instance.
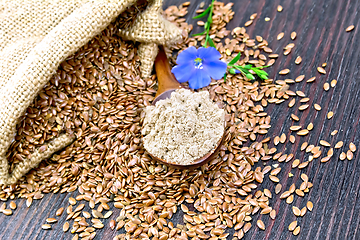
{"points": [[183, 72], [199, 79], [187, 56], [216, 69], [208, 54]]}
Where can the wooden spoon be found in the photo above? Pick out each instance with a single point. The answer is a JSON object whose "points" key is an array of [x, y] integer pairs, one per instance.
{"points": [[167, 84]]}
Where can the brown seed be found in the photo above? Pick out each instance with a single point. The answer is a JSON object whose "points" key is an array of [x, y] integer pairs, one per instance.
{"points": [[293, 35], [292, 103], [296, 230], [330, 152], [350, 28], [330, 115], [324, 143], [267, 19], [12, 205], [292, 138], [289, 46], [317, 107], [334, 132], [321, 70], [280, 36], [339, 144], [51, 220], [285, 194], [303, 146], [295, 128], [248, 23], [7, 212], [342, 156], [311, 80], [298, 60], [300, 93], [253, 16], [303, 107], [300, 78], [276, 140], [309, 206], [310, 126], [278, 188], [284, 71], [72, 201], [290, 199], [260, 224], [59, 211], [46, 226], [349, 155], [304, 100], [283, 138], [294, 117], [66, 226], [292, 226], [273, 214], [326, 86], [352, 148], [303, 132], [296, 211], [274, 179], [303, 165], [333, 83], [295, 163], [299, 192], [279, 8], [29, 201], [325, 159]]}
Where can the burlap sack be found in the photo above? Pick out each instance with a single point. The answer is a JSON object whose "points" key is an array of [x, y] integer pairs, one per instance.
{"points": [[37, 35]]}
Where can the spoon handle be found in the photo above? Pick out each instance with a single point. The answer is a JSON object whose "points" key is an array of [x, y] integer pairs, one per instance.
{"points": [[166, 80]]}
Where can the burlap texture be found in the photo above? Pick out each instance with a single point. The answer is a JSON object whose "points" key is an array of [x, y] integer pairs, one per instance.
{"points": [[37, 35]]}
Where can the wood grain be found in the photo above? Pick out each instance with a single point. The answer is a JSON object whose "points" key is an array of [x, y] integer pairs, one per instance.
{"points": [[321, 37]]}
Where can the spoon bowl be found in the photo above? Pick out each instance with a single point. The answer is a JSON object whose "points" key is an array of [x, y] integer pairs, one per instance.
{"points": [[167, 84]]}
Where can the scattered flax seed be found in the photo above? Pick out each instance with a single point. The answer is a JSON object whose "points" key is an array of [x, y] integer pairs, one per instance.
{"points": [[311, 80], [310, 126], [292, 226], [324, 65], [324, 143], [294, 117], [303, 165], [333, 133], [304, 100], [285, 194], [309, 206], [287, 51], [350, 28], [300, 93], [352, 147], [326, 86], [46, 226], [303, 211], [273, 214], [321, 70], [260, 224], [7, 212], [330, 152], [295, 163], [12, 205], [317, 107], [330, 115], [280, 36], [248, 23], [296, 230], [66, 226], [72, 201], [293, 35], [325, 159], [278, 188], [333, 83], [295, 128], [296, 211], [304, 177], [292, 138], [303, 107], [276, 140], [59, 211], [274, 179], [253, 16], [298, 60], [51, 220], [267, 19], [299, 192], [299, 78], [291, 103], [289, 46], [29, 201], [303, 146], [349, 155], [284, 71], [342, 156], [283, 138], [279, 8], [339, 144], [200, 23], [292, 188], [290, 199]]}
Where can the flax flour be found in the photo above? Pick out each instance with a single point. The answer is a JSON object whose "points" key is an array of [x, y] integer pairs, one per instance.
{"points": [[184, 127]]}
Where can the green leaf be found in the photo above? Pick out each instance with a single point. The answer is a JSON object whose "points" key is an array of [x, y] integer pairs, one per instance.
{"points": [[198, 34], [225, 77], [235, 59], [211, 43], [203, 14], [248, 66]]}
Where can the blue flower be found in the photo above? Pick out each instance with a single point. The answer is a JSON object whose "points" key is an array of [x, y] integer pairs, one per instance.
{"points": [[198, 66]]}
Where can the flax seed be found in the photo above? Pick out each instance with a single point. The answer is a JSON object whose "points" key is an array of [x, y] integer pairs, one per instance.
{"points": [[294, 117], [283, 138], [334, 132], [12, 205], [330, 115], [321, 70], [310, 80], [303, 165], [342, 156], [317, 107], [349, 155], [284, 71], [303, 107], [333, 83], [296, 211], [339, 144], [309, 206], [279, 8], [326, 86], [278, 188], [292, 138], [46, 226], [293, 35], [298, 60], [260, 224], [352, 147], [300, 78], [303, 132], [292, 226], [350, 28]]}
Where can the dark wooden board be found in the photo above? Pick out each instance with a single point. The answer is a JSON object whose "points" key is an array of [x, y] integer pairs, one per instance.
{"points": [[321, 37]]}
